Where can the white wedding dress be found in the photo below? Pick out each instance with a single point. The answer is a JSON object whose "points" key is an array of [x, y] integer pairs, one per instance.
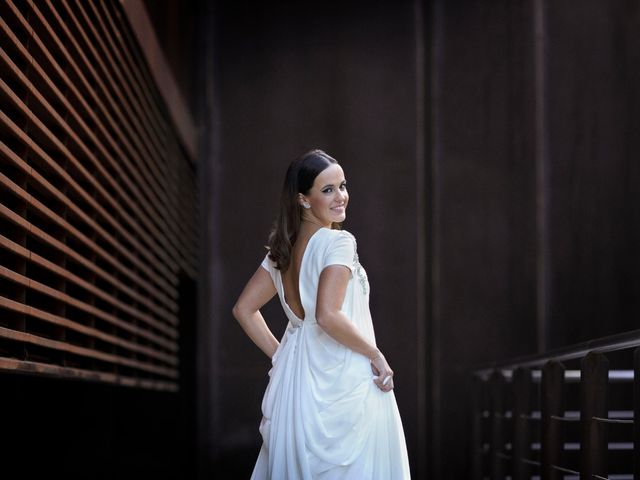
{"points": [[323, 417]]}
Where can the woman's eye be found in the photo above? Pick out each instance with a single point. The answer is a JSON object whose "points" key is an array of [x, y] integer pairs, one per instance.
{"points": [[330, 189]]}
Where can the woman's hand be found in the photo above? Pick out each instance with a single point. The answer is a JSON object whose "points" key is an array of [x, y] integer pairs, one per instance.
{"points": [[383, 373]]}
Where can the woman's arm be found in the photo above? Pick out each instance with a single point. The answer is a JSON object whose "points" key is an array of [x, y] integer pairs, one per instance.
{"points": [[332, 288], [258, 291]]}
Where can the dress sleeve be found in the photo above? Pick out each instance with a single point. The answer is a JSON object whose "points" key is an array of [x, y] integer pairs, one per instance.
{"points": [[341, 251], [266, 263]]}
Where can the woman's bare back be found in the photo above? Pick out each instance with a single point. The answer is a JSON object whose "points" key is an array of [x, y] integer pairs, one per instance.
{"points": [[291, 278]]}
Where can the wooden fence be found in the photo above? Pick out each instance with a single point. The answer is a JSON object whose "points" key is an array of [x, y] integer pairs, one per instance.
{"points": [[564, 415]]}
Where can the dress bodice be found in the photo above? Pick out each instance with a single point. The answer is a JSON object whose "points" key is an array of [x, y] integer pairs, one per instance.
{"points": [[325, 247]]}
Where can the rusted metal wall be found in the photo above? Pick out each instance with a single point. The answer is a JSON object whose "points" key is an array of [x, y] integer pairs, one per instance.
{"points": [[484, 291], [592, 120], [536, 146]]}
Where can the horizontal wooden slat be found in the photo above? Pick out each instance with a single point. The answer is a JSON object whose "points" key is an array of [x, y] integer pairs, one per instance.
{"points": [[112, 319], [29, 338], [48, 239], [136, 119], [11, 305], [41, 128], [88, 331], [144, 111], [140, 116], [83, 239], [82, 192], [113, 77], [144, 219], [12, 364], [37, 232], [85, 109], [131, 125], [151, 105]]}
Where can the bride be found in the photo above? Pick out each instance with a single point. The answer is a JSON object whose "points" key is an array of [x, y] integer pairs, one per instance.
{"points": [[329, 411]]}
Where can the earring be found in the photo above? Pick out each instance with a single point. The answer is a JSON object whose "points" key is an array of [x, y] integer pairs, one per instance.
{"points": [[306, 205]]}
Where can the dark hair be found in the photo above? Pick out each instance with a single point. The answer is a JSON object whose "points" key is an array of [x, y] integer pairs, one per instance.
{"points": [[299, 178]]}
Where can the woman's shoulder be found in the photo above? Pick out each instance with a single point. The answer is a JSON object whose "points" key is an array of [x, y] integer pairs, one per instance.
{"points": [[334, 234], [339, 239], [339, 248]]}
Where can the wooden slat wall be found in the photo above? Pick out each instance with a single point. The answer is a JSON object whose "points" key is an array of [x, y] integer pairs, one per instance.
{"points": [[98, 201]]}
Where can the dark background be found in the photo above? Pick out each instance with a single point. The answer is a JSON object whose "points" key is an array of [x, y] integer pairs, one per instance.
{"points": [[491, 150], [292, 77]]}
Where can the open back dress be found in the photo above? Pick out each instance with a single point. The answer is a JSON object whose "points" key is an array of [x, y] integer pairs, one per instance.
{"points": [[323, 416]]}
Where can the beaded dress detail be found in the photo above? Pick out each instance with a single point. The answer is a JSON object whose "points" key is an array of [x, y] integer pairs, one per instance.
{"points": [[362, 274]]}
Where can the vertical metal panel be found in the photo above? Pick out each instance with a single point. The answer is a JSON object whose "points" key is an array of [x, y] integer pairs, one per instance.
{"points": [[593, 405], [551, 405], [477, 436], [591, 53], [497, 394], [521, 429], [636, 413]]}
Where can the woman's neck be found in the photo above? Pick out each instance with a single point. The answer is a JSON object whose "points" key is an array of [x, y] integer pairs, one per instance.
{"points": [[307, 221]]}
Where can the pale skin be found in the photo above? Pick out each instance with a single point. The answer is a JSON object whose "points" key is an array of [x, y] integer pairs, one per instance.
{"points": [[327, 200]]}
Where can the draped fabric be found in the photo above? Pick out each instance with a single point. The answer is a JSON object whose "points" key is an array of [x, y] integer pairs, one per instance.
{"points": [[323, 417]]}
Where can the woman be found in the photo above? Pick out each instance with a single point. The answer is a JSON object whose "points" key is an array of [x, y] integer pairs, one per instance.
{"points": [[324, 415]]}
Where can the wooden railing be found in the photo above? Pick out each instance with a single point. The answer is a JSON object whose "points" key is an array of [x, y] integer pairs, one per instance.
{"points": [[566, 414]]}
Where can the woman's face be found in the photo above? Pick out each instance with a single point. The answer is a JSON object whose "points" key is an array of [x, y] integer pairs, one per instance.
{"points": [[328, 197]]}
